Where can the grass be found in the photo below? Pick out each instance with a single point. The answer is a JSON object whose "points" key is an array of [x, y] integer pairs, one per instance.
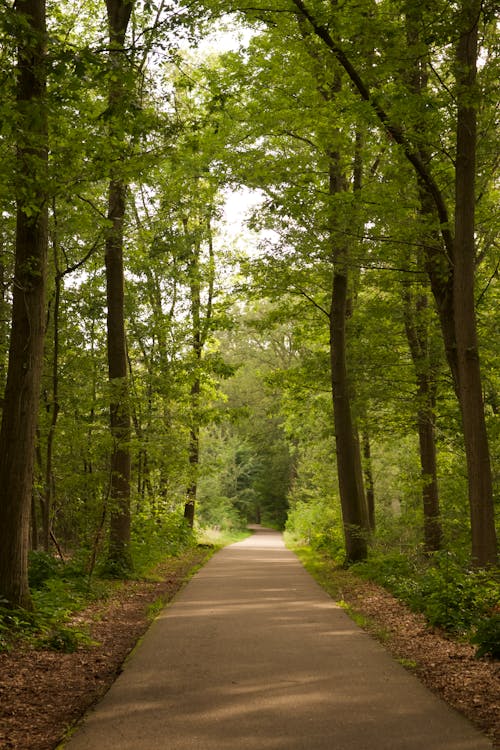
{"points": [[219, 538]]}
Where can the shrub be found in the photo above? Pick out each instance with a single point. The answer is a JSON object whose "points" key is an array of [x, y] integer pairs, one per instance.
{"points": [[487, 637], [444, 589], [42, 566], [154, 538], [316, 523]]}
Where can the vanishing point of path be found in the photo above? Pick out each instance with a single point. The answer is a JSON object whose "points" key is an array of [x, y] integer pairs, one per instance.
{"points": [[254, 655]]}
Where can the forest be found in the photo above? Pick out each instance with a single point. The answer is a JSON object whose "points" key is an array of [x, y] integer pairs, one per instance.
{"points": [[249, 273]]}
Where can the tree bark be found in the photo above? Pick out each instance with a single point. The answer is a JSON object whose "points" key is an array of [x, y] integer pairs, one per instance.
{"points": [[22, 393], [484, 542], [415, 314], [119, 533], [349, 464], [53, 405], [197, 347], [370, 486], [352, 498], [119, 558], [200, 326]]}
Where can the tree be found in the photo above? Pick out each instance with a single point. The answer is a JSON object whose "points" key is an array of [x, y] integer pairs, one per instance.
{"points": [[119, 12], [18, 430], [453, 268]]}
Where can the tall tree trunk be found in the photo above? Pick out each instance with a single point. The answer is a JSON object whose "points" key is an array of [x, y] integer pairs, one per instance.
{"points": [[415, 316], [369, 483], [484, 543], [52, 405], [352, 498], [201, 325], [194, 459], [348, 450], [22, 393], [119, 534], [119, 558]]}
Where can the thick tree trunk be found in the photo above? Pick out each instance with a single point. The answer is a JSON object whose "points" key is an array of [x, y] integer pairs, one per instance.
{"points": [[349, 464], [22, 393], [119, 533], [352, 498], [119, 558], [484, 543], [415, 315]]}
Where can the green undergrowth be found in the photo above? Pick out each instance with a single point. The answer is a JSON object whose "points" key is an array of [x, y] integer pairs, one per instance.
{"points": [[61, 589], [218, 538], [463, 602]]}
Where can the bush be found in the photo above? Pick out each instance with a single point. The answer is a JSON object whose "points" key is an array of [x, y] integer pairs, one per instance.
{"points": [[42, 566], [14, 622], [444, 589], [64, 639], [220, 512], [487, 637], [154, 538], [456, 598], [315, 522]]}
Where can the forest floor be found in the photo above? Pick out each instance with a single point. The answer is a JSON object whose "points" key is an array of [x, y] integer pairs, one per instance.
{"points": [[44, 693]]}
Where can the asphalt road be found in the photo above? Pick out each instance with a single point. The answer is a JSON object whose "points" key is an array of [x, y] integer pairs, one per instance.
{"points": [[254, 655]]}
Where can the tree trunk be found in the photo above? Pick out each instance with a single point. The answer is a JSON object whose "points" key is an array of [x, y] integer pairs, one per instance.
{"points": [[348, 450], [368, 474], [119, 533], [22, 393], [352, 498], [201, 325], [194, 458], [417, 334], [484, 543], [119, 559], [428, 463], [53, 407]]}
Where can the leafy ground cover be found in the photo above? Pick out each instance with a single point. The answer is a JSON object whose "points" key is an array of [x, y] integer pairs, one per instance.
{"points": [[445, 662]]}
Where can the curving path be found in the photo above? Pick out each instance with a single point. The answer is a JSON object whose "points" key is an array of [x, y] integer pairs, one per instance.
{"points": [[254, 655]]}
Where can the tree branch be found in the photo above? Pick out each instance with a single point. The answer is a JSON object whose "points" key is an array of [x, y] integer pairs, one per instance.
{"points": [[393, 131]]}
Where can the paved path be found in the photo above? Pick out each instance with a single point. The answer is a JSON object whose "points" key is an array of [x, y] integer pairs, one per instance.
{"points": [[253, 655]]}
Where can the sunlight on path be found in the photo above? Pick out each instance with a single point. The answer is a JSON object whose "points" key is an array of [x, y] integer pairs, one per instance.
{"points": [[254, 655]]}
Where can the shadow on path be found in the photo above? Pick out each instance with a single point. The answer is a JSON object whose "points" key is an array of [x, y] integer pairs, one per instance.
{"points": [[254, 655]]}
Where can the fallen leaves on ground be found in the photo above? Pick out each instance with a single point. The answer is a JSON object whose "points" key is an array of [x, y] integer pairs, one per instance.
{"points": [[447, 666]]}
